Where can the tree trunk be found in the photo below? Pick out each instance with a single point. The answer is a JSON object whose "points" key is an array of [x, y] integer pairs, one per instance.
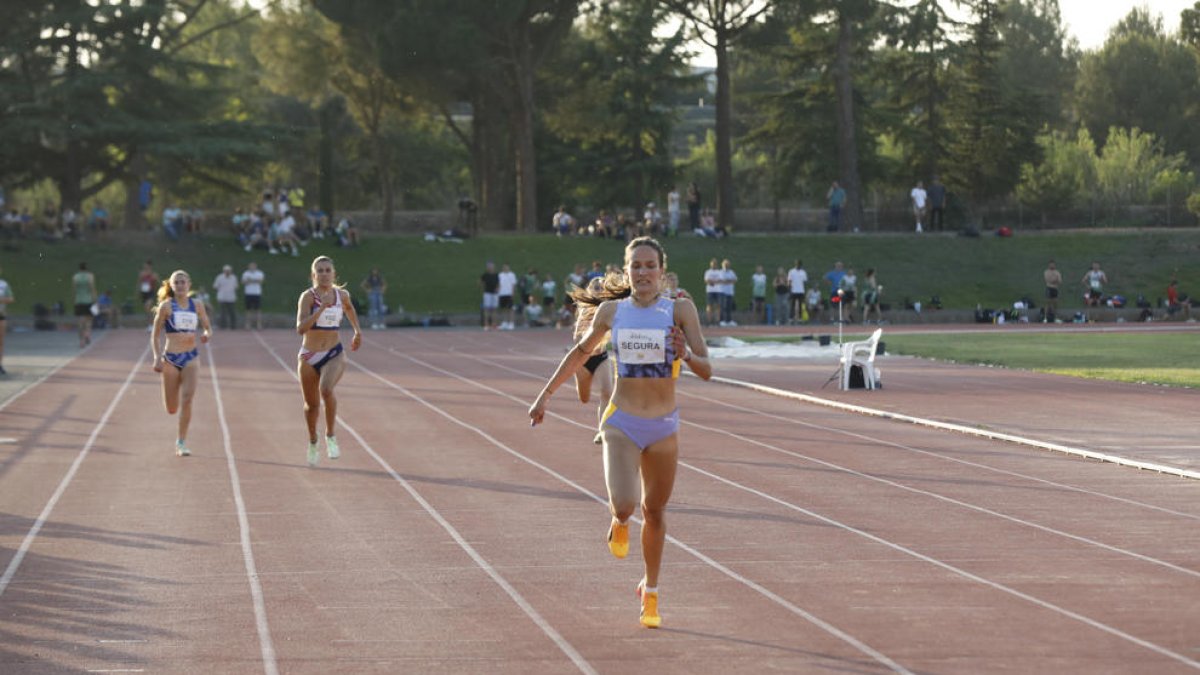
{"points": [[847, 145], [134, 217], [522, 123], [325, 189], [725, 191], [490, 160]]}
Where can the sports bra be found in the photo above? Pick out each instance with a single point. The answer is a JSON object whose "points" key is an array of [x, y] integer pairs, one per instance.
{"points": [[641, 339], [182, 320], [331, 317]]}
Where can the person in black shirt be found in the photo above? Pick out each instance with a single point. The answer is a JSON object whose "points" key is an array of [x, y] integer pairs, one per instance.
{"points": [[489, 281]]}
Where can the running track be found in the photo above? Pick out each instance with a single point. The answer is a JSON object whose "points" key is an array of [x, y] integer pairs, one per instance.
{"points": [[451, 537]]}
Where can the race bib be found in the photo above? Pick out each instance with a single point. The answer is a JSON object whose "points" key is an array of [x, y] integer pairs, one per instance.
{"points": [[642, 345], [184, 320], [331, 317], [145, 286]]}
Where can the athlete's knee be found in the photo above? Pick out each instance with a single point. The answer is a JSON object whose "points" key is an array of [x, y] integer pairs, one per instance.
{"points": [[327, 393], [654, 515], [172, 408], [623, 510]]}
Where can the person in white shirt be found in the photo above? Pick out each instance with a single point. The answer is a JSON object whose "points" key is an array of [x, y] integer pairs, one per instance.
{"points": [[758, 294], [918, 203], [712, 291], [797, 278], [673, 211], [287, 235], [728, 279], [226, 285], [252, 281], [508, 284]]}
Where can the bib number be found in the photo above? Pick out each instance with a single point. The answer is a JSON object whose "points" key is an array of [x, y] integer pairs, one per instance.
{"points": [[642, 345], [185, 321]]}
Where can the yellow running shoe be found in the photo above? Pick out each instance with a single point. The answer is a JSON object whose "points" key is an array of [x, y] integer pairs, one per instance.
{"points": [[650, 617], [618, 539]]}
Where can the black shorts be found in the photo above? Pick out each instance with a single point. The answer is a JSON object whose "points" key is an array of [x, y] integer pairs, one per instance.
{"points": [[547, 302], [253, 302], [1051, 293], [147, 296], [848, 296], [506, 302], [83, 309], [594, 361]]}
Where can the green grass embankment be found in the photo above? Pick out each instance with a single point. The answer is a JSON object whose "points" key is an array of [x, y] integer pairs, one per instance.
{"points": [[443, 277]]}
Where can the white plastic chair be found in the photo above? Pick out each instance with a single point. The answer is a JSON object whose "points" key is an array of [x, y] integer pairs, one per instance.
{"points": [[862, 354]]}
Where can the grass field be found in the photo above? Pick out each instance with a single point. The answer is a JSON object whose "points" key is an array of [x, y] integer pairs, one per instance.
{"points": [[1156, 358], [428, 277]]}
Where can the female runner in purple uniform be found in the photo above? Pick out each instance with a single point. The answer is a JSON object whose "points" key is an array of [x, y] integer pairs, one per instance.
{"points": [[179, 316], [652, 335]]}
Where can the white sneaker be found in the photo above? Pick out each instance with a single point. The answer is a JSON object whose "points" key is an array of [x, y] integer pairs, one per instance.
{"points": [[732, 323], [181, 449], [314, 454], [919, 229], [247, 248], [274, 252], [331, 447]]}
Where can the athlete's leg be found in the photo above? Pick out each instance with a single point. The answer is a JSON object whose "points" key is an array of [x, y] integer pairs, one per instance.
{"points": [[186, 393], [330, 375], [310, 386], [658, 464], [583, 384], [171, 378]]}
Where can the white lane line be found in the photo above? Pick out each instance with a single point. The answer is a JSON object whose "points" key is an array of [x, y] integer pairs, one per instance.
{"points": [[829, 628], [970, 431], [849, 528], [23, 549], [50, 373], [566, 647], [270, 665], [936, 455]]}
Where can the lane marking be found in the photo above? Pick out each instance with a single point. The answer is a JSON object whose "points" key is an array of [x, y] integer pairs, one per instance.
{"points": [[27, 542], [270, 665], [970, 431], [566, 647], [849, 528], [820, 623]]}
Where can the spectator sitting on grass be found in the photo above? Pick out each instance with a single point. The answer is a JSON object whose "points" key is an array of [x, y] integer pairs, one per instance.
{"points": [[534, 314], [347, 233], [1178, 303]]}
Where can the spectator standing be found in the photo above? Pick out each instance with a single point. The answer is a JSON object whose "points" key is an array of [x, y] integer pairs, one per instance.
{"points": [[712, 291], [651, 220], [783, 296], [84, 286], [147, 288], [836, 198], [252, 283], [871, 295], [226, 285], [796, 278], [919, 197], [834, 278], [489, 283], [937, 205], [549, 291], [375, 286], [1053, 279], [673, 211], [6, 299], [728, 281], [596, 272], [693, 205], [1094, 280], [574, 279], [563, 223], [758, 294], [849, 288], [508, 285], [98, 223]]}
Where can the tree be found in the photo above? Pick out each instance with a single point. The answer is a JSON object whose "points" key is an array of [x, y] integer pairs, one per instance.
{"points": [[606, 113], [487, 54], [91, 92], [1142, 78], [1066, 173], [719, 23], [991, 129]]}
